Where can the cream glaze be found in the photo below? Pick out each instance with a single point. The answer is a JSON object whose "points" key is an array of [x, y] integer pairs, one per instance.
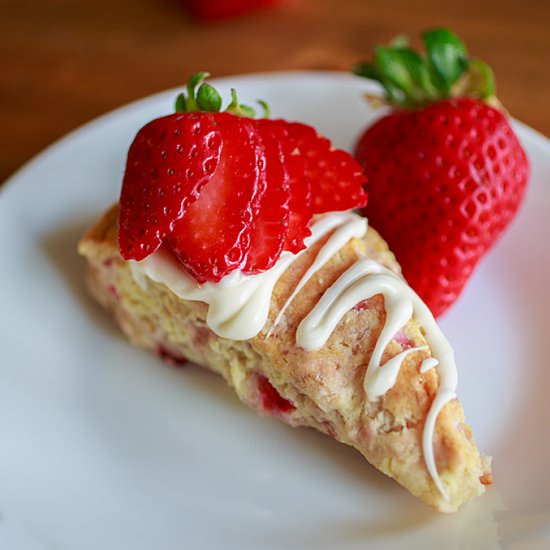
{"points": [[367, 278], [239, 307]]}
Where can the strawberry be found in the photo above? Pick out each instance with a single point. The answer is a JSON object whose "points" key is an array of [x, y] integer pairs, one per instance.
{"points": [[213, 236], [335, 177], [168, 162], [446, 173], [322, 178], [300, 200], [273, 209], [223, 191]]}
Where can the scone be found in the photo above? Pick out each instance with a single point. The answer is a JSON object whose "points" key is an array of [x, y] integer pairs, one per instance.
{"points": [[324, 333], [323, 388]]}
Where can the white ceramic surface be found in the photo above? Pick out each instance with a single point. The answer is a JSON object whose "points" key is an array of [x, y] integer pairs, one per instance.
{"points": [[104, 447]]}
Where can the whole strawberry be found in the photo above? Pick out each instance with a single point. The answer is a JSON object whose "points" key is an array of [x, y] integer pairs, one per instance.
{"points": [[446, 173]]}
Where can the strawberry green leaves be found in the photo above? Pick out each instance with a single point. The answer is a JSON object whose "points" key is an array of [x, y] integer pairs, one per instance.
{"points": [[205, 98], [202, 97], [406, 75], [447, 57], [413, 80]]}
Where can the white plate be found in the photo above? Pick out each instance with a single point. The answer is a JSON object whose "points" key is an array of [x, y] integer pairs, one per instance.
{"points": [[102, 446]]}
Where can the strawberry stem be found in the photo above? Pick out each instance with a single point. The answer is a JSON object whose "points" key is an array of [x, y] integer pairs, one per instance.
{"points": [[447, 58], [413, 80], [208, 99], [237, 108], [202, 97]]}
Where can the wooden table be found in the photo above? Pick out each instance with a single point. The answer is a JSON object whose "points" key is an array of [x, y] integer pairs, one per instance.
{"points": [[66, 61]]}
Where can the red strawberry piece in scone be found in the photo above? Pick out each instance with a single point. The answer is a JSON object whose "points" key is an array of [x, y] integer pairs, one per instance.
{"points": [[446, 172], [272, 401]]}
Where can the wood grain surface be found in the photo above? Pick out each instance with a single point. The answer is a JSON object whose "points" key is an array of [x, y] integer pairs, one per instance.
{"points": [[66, 61]]}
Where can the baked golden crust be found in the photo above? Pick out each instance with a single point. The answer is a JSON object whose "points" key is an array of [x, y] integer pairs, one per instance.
{"points": [[324, 386]]}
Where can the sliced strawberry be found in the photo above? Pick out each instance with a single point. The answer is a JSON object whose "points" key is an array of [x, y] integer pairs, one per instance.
{"points": [[300, 189], [336, 178], [169, 161], [300, 213], [213, 236], [226, 192], [271, 213]]}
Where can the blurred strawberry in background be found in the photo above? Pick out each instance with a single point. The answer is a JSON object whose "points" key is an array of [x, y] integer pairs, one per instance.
{"points": [[222, 9]]}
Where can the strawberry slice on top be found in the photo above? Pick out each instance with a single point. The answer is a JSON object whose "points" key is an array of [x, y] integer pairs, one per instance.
{"points": [[169, 161], [335, 177], [271, 216], [213, 236], [300, 186], [224, 191]]}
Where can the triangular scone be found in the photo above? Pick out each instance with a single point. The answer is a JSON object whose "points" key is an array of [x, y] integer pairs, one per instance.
{"points": [[324, 388]]}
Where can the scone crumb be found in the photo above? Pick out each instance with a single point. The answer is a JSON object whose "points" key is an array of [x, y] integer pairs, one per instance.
{"points": [[486, 478]]}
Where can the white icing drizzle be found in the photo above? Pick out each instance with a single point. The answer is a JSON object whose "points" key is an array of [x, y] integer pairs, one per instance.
{"points": [[238, 308], [238, 305], [381, 378], [361, 281], [428, 363], [347, 228]]}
